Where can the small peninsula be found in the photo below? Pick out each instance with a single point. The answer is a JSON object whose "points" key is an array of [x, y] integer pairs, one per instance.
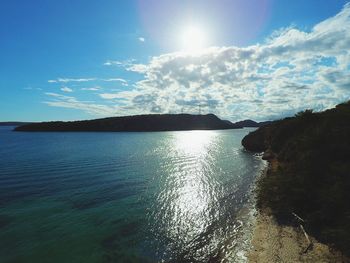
{"points": [[307, 179], [137, 123]]}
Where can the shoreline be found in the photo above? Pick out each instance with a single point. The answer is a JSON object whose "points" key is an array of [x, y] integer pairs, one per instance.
{"points": [[275, 243], [238, 245]]}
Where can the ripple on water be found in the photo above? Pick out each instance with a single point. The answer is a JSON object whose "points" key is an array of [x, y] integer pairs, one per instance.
{"points": [[122, 197]]}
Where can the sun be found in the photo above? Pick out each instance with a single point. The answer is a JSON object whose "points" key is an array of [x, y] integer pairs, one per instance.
{"points": [[193, 39]]}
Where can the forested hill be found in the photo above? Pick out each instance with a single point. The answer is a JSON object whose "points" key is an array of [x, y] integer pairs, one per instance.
{"points": [[309, 171], [153, 122]]}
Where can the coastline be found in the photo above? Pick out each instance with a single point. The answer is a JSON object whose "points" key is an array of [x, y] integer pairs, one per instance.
{"points": [[238, 245], [275, 243]]}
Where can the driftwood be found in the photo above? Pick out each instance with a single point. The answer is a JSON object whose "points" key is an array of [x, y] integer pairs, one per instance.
{"points": [[309, 242], [298, 217]]}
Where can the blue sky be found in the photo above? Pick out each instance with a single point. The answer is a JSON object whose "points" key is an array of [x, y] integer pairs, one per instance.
{"points": [[67, 60]]}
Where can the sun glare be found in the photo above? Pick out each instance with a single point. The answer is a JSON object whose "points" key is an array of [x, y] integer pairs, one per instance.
{"points": [[193, 39]]}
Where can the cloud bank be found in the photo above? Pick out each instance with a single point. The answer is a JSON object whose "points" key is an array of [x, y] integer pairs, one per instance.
{"points": [[292, 70]]}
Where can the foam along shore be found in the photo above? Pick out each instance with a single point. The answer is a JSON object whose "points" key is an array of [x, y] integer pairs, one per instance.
{"points": [[272, 243]]}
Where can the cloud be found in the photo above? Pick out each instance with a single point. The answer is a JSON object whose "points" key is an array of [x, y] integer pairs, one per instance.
{"points": [[115, 79], [142, 39], [66, 80], [123, 81], [121, 95], [66, 89], [91, 107], [109, 96], [292, 70], [91, 89], [124, 63], [111, 62]]}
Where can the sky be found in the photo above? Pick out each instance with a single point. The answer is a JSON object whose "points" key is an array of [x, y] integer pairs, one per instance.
{"points": [[238, 59]]}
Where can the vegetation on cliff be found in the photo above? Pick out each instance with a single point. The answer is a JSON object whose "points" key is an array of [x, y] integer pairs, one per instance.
{"points": [[309, 171]]}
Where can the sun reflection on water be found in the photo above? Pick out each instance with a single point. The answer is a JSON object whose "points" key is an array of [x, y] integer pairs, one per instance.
{"points": [[194, 142], [190, 188], [201, 181], [192, 194]]}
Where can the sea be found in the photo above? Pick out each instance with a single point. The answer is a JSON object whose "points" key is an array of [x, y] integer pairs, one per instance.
{"points": [[184, 196]]}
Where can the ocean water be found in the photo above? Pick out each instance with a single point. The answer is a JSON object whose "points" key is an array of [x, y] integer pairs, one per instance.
{"points": [[124, 197]]}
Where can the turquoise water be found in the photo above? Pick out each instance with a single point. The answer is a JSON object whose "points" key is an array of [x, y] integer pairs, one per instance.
{"points": [[122, 197]]}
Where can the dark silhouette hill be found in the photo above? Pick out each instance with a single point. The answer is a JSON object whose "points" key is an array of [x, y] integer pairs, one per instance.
{"points": [[251, 123], [138, 123], [309, 172]]}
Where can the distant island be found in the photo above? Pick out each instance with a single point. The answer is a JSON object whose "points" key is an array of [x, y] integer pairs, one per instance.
{"points": [[251, 123], [139, 123], [13, 123], [309, 172]]}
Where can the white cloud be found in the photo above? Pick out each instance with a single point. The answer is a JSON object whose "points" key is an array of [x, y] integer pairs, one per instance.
{"points": [[65, 80], [92, 88], [122, 95], [62, 101], [66, 89], [108, 96], [112, 62], [122, 81], [142, 39], [124, 63], [291, 71]]}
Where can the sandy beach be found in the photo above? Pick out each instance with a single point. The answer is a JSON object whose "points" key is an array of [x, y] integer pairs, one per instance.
{"points": [[272, 243]]}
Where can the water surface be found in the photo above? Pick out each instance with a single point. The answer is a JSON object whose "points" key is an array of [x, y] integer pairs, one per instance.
{"points": [[122, 197]]}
